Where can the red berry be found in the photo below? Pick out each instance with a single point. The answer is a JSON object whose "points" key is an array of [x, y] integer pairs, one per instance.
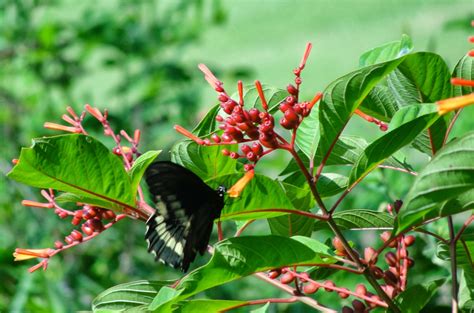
{"points": [[361, 290], [254, 115], [216, 138], [223, 97], [251, 156], [292, 90], [391, 258], [291, 116], [257, 148], [225, 152], [77, 236], [287, 278], [284, 106], [286, 124], [274, 273], [343, 294], [409, 240], [329, 284], [310, 288], [370, 253], [245, 149]]}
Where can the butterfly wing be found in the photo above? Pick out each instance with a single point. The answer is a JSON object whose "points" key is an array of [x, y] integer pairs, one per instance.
{"points": [[186, 208]]}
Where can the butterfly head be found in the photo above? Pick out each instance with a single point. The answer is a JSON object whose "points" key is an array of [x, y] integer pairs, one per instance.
{"points": [[221, 190]]}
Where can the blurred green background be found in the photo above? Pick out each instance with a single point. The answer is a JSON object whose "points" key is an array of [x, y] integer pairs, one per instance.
{"points": [[138, 59]]}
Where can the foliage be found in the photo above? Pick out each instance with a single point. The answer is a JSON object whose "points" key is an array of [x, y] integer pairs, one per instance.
{"points": [[304, 198]]}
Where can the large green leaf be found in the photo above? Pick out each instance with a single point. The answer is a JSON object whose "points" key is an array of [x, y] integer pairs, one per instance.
{"points": [[77, 164], [407, 123], [307, 135], [465, 70], [140, 165], [449, 175], [208, 124], [387, 51], [127, 296], [343, 96], [380, 103], [466, 289], [423, 77], [328, 184], [254, 197], [238, 257], [416, 297], [464, 250], [359, 219], [205, 161]]}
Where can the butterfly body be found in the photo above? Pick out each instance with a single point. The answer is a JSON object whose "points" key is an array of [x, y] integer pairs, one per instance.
{"points": [[185, 211]]}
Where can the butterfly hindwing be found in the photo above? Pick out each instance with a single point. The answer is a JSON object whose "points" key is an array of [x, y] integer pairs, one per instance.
{"points": [[186, 208]]}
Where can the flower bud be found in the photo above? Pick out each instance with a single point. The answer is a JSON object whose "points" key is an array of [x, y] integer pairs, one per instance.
{"points": [[291, 116], [391, 259], [87, 229], [77, 236], [346, 309], [385, 236], [96, 225], [290, 100], [361, 290], [287, 278], [310, 288], [251, 156], [389, 290], [75, 221], [253, 133], [68, 240], [226, 137], [390, 278], [292, 90], [337, 244], [411, 262], [225, 152], [245, 149], [234, 155], [108, 214], [257, 148], [377, 271], [370, 253], [397, 205], [219, 118], [274, 273], [403, 253], [342, 294], [409, 240], [244, 126], [287, 124], [328, 283], [223, 97], [216, 138], [58, 244], [284, 106], [248, 167], [358, 305], [254, 115]]}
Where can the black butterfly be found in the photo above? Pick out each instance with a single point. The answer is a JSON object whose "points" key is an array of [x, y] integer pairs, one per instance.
{"points": [[185, 210]]}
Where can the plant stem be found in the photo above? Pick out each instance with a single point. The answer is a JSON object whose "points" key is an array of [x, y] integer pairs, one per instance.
{"points": [[332, 224], [307, 300], [454, 279]]}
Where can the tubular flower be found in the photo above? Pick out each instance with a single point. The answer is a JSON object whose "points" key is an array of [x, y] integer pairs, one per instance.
{"points": [[450, 104], [26, 254], [236, 190]]}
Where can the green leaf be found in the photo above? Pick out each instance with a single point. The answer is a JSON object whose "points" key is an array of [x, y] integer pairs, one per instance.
{"points": [[262, 309], [273, 95], [466, 289], [328, 184], [128, 295], [423, 77], [208, 124], [343, 96], [416, 297], [449, 175], [254, 197], [77, 164], [464, 250], [380, 103], [359, 219], [238, 257], [407, 123], [205, 161], [164, 295], [387, 51], [140, 165], [67, 197], [205, 305], [307, 135], [465, 70]]}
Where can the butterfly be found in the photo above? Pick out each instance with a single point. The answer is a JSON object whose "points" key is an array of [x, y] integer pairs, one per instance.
{"points": [[186, 208]]}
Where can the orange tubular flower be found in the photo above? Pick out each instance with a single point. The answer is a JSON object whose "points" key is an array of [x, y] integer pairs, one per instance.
{"points": [[236, 190], [448, 105], [65, 128], [188, 134], [26, 254]]}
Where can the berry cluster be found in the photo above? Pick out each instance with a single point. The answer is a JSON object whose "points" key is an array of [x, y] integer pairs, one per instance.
{"points": [[242, 125], [394, 277], [92, 220]]}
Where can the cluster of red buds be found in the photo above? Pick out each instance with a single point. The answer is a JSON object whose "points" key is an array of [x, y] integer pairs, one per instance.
{"points": [[394, 278], [242, 125], [92, 220]]}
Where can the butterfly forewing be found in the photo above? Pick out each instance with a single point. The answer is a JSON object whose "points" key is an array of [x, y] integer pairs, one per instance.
{"points": [[186, 208]]}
